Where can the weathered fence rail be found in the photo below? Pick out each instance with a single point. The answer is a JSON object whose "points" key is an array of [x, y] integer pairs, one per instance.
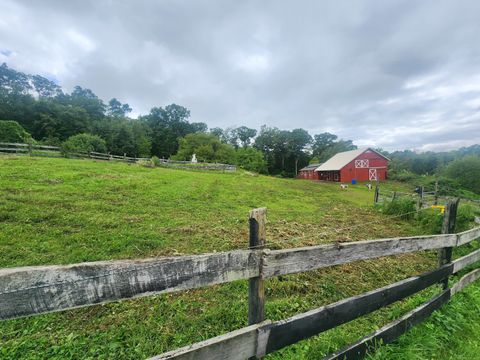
{"points": [[55, 151], [34, 290]]}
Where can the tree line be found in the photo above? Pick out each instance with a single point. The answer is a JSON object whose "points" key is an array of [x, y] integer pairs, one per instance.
{"points": [[80, 118]]}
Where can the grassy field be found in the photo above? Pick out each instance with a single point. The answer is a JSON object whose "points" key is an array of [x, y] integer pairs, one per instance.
{"points": [[58, 211]]}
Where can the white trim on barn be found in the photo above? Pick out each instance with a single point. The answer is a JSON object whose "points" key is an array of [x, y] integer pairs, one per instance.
{"points": [[359, 164]]}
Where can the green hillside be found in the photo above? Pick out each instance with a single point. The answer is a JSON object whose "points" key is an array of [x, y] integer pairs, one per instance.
{"points": [[59, 211]]}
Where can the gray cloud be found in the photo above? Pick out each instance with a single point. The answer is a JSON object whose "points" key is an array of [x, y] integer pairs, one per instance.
{"points": [[396, 74]]}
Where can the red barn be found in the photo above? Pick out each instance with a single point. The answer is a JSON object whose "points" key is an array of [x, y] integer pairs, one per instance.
{"points": [[360, 165], [308, 172]]}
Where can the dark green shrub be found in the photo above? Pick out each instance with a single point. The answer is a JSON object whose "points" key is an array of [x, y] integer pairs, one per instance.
{"points": [[466, 171], [402, 175], [13, 132], [155, 161], [251, 159], [465, 217], [431, 220], [84, 143], [402, 206]]}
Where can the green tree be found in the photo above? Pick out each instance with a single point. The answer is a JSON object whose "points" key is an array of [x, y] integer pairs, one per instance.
{"points": [[218, 132], [245, 135], [466, 171], [167, 126], [116, 109], [322, 142], [207, 147], [298, 139], [251, 159]]}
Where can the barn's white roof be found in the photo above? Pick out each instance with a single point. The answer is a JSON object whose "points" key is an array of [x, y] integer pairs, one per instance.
{"points": [[338, 161]]}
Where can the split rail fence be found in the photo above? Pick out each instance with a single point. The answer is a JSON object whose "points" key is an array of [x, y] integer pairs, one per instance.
{"points": [[26, 291], [55, 151]]}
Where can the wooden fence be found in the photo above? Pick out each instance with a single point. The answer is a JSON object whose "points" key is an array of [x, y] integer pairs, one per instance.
{"points": [[26, 291], [55, 151]]}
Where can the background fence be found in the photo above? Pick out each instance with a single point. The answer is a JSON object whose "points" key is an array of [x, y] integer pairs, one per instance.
{"points": [[26, 291], [55, 151]]}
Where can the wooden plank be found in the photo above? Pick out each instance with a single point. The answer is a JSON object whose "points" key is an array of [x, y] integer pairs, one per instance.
{"points": [[303, 326], [236, 345], [14, 149], [466, 280], [27, 291], [289, 261], [99, 157], [468, 236], [45, 147], [392, 331], [256, 286], [466, 260], [13, 144]]}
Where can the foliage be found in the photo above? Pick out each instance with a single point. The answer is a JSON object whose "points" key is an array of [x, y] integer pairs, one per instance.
{"points": [[326, 145], [155, 161], [117, 109], [12, 131], [206, 147], [449, 333], [167, 125], [84, 143], [245, 135], [251, 159], [401, 206], [466, 171], [431, 220], [466, 214], [401, 175], [285, 151]]}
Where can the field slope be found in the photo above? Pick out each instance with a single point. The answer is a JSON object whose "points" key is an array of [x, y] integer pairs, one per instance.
{"points": [[58, 211]]}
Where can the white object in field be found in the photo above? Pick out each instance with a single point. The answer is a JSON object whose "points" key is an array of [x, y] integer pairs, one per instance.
{"points": [[369, 186], [194, 158], [343, 186]]}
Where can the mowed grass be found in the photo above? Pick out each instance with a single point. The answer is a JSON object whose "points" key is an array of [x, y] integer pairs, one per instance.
{"points": [[58, 211]]}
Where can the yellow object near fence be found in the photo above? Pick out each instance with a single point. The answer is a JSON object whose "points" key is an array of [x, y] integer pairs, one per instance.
{"points": [[441, 207]]}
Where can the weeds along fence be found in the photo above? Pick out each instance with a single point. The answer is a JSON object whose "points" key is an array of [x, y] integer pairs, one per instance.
{"points": [[27, 291], [422, 199], [55, 151]]}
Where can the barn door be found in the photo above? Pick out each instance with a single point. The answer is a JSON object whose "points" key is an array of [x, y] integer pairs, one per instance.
{"points": [[372, 174]]}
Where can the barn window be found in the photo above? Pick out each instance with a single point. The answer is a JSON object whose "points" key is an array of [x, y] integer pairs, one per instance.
{"points": [[361, 163]]}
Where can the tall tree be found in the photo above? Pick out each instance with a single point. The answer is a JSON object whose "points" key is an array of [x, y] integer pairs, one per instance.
{"points": [[245, 135], [116, 109]]}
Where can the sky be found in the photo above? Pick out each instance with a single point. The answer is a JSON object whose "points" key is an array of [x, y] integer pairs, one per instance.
{"points": [[390, 74]]}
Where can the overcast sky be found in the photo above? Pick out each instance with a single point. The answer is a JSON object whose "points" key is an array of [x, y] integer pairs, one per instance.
{"points": [[393, 74]]}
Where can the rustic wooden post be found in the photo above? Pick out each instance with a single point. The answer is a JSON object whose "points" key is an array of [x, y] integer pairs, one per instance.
{"points": [[256, 292], [376, 194], [30, 149], [436, 193], [448, 227]]}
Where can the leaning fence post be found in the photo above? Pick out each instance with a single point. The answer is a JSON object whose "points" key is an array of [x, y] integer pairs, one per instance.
{"points": [[256, 288], [376, 195], [448, 227]]}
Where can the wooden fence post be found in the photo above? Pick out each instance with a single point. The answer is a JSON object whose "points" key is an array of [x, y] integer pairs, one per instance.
{"points": [[256, 288], [448, 227], [376, 194], [436, 193]]}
